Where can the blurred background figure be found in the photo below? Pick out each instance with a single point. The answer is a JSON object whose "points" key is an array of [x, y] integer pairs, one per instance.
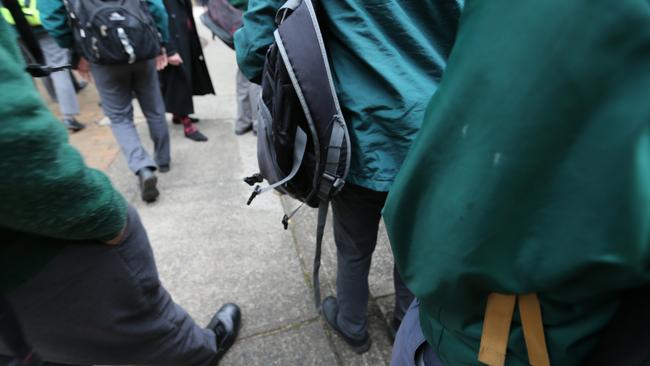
{"points": [[223, 18], [62, 84], [188, 74]]}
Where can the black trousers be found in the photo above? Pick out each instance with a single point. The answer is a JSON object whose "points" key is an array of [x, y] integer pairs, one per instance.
{"points": [[356, 216]]}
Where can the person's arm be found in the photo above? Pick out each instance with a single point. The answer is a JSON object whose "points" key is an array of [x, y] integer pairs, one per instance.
{"points": [[45, 187], [159, 14], [54, 19], [255, 37]]}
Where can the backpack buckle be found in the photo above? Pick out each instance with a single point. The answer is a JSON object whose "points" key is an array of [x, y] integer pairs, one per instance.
{"points": [[330, 185]]}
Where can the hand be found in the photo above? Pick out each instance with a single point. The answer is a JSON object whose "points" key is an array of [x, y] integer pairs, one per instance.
{"points": [[83, 68], [161, 61], [119, 238], [175, 59]]}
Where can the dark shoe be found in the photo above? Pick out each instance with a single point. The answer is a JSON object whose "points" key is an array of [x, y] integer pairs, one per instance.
{"points": [[196, 136], [242, 130], [177, 120], [163, 168], [330, 312], [148, 180], [225, 324], [73, 125]]}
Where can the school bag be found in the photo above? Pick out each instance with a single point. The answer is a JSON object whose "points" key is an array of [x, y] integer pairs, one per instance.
{"points": [[223, 20], [111, 32], [303, 146]]}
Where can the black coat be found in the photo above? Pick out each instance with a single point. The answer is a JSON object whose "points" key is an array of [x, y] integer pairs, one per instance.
{"points": [[179, 83]]}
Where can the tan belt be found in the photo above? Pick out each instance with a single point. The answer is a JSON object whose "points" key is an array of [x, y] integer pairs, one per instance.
{"points": [[496, 329]]}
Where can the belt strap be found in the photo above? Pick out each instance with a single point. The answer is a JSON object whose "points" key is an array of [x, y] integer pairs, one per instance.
{"points": [[496, 329]]}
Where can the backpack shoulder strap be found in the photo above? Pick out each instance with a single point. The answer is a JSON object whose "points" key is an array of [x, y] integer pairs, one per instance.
{"points": [[285, 10], [25, 30], [301, 45]]}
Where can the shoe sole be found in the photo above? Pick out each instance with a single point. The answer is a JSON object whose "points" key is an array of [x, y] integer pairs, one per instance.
{"points": [[149, 190], [356, 349]]}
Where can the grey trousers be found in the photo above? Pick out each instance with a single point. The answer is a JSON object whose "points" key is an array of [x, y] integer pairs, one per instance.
{"points": [[411, 348], [356, 215], [117, 85], [248, 95], [64, 91], [101, 304]]}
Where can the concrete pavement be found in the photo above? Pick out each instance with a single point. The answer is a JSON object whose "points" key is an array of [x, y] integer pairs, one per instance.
{"points": [[211, 248]]}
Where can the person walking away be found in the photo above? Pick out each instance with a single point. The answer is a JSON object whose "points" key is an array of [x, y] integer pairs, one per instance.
{"points": [[62, 83], [117, 83], [248, 93], [76, 265], [383, 84], [187, 74], [521, 216]]}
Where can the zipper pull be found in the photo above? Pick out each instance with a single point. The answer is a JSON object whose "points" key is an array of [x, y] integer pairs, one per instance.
{"points": [[256, 191]]}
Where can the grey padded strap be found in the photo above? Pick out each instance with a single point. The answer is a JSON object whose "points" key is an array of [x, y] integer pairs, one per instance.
{"points": [[285, 10], [320, 231], [299, 147], [330, 180]]}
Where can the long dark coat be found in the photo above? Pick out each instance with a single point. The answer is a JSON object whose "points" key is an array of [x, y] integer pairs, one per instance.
{"points": [[179, 83]]}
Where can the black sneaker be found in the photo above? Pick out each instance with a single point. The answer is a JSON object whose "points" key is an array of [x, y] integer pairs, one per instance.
{"points": [[164, 168], [225, 324], [148, 181], [73, 125], [330, 312]]}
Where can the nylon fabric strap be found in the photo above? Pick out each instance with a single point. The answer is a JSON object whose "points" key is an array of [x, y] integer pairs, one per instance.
{"points": [[496, 329], [299, 147], [25, 30], [285, 10], [320, 231], [330, 174], [531, 321]]}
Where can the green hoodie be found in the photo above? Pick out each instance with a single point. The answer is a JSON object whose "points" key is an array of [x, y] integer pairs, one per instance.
{"points": [[531, 174], [48, 196]]}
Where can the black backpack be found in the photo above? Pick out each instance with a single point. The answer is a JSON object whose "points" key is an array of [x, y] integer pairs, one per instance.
{"points": [[113, 32], [303, 146]]}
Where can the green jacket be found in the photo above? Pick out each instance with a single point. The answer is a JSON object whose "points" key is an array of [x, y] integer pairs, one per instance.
{"points": [[239, 4], [54, 18], [387, 58], [531, 174], [49, 196]]}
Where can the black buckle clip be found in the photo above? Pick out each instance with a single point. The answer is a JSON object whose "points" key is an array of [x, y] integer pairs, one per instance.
{"points": [[254, 179]]}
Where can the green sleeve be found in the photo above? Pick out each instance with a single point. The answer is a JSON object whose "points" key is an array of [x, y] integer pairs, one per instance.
{"points": [[159, 14], [54, 19], [45, 187], [255, 37]]}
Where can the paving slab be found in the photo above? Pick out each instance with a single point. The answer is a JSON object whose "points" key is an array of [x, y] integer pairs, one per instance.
{"points": [[305, 345]]}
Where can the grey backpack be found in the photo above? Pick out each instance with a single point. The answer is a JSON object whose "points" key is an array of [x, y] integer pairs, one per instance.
{"points": [[303, 146], [113, 31]]}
